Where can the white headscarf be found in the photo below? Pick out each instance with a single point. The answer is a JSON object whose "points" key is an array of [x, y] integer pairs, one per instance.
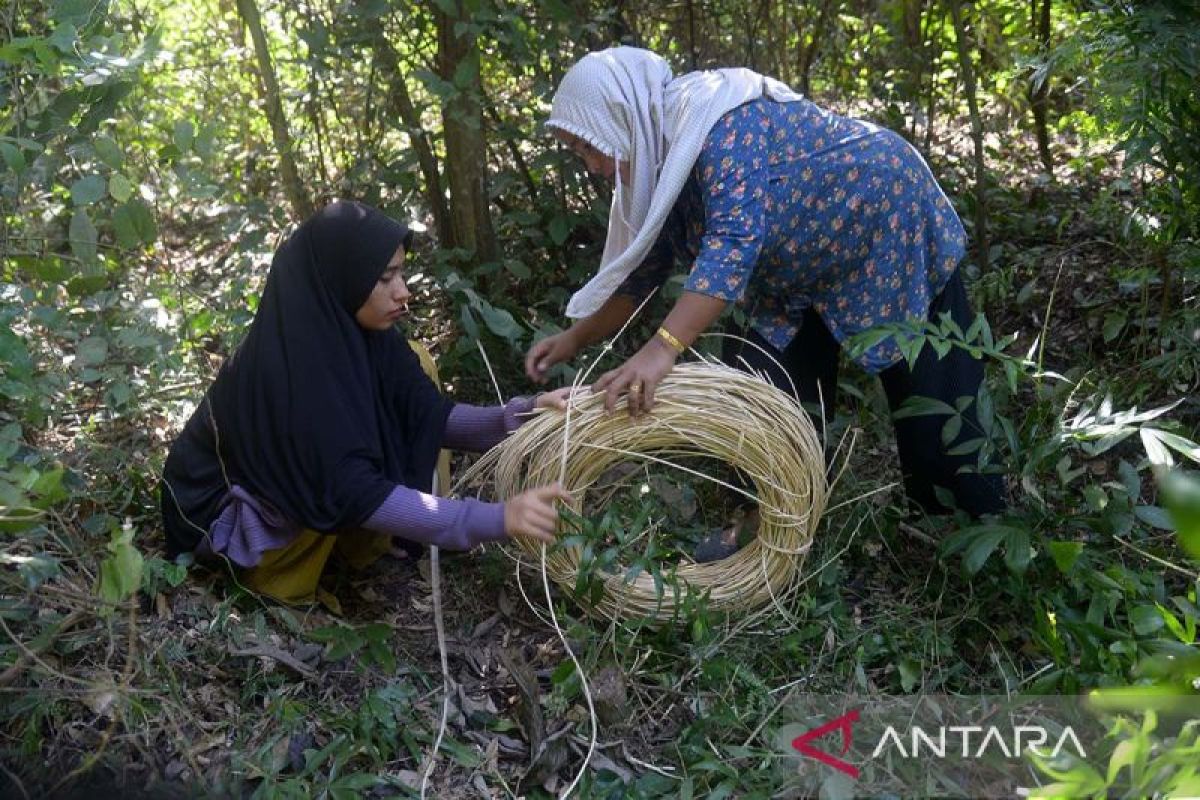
{"points": [[624, 102]]}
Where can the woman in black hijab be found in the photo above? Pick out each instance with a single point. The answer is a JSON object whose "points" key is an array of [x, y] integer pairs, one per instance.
{"points": [[324, 424]]}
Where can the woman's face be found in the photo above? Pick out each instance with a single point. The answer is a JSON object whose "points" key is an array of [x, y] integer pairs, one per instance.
{"points": [[389, 299], [596, 162]]}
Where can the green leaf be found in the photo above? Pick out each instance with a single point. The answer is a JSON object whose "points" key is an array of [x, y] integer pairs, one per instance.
{"points": [[1065, 554], [1123, 755], [38, 569], [1181, 494], [1017, 551], [134, 224], [518, 268], [183, 134], [1026, 292], [442, 89], [88, 190], [919, 406], [910, 673], [1012, 372], [1130, 479], [967, 447], [1097, 498], [348, 644], [1185, 447], [355, 783], [382, 655], [108, 151], [983, 542], [985, 411], [1173, 624], [64, 38], [951, 429], [562, 672], [91, 351], [14, 519], [206, 141], [860, 343], [49, 488], [83, 236], [469, 324], [1154, 516], [121, 572], [1146, 620], [559, 228], [13, 157], [499, 321], [119, 187], [1114, 323], [466, 73], [1159, 443], [73, 12]]}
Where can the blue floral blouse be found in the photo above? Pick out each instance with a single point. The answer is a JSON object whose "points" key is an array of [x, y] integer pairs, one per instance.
{"points": [[790, 206]]}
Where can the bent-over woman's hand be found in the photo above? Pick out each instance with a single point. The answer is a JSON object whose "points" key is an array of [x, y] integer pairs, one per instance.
{"points": [[638, 377], [532, 513], [548, 352]]}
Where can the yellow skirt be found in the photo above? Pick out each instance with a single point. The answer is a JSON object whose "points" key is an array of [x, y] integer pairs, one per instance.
{"points": [[291, 574]]}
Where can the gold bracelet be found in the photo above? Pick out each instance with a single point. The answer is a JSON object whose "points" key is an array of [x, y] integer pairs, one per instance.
{"points": [[670, 339]]}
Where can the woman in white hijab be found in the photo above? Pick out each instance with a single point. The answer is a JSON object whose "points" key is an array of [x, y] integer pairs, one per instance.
{"points": [[819, 227]]}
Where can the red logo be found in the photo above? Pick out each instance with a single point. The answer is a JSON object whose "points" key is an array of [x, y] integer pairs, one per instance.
{"points": [[843, 724]]}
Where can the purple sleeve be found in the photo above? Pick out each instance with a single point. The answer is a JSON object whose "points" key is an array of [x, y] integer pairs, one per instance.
{"points": [[245, 529], [452, 524], [480, 428]]}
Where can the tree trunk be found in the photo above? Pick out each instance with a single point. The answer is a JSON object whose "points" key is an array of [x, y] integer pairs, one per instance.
{"points": [[914, 56], [462, 123], [968, 77], [934, 52], [400, 103], [808, 53], [1040, 22], [691, 20], [297, 195], [514, 152]]}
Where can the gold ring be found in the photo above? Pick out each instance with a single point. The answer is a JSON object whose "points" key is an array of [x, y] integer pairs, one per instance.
{"points": [[636, 388]]}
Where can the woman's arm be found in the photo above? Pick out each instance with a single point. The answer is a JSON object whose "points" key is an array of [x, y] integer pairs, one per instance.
{"points": [[463, 524], [692, 314], [561, 347], [733, 176], [609, 318], [479, 428], [439, 521]]}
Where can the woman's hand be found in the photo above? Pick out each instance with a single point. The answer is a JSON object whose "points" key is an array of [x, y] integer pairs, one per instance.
{"points": [[638, 377], [558, 398], [548, 352], [532, 513]]}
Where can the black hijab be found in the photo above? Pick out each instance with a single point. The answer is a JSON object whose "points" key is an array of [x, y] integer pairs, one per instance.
{"points": [[314, 414]]}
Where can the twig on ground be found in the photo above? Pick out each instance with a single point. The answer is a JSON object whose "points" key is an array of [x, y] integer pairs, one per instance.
{"points": [[261, 650]]}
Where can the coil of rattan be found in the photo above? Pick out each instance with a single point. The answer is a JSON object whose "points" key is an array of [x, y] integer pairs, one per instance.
{"points": [[700, 409]]}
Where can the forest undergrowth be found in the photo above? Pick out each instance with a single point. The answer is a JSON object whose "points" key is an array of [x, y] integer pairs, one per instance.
{"points": [[195, 686]]}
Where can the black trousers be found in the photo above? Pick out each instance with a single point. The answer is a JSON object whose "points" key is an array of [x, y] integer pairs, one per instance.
{"points": [[811, 362]]}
